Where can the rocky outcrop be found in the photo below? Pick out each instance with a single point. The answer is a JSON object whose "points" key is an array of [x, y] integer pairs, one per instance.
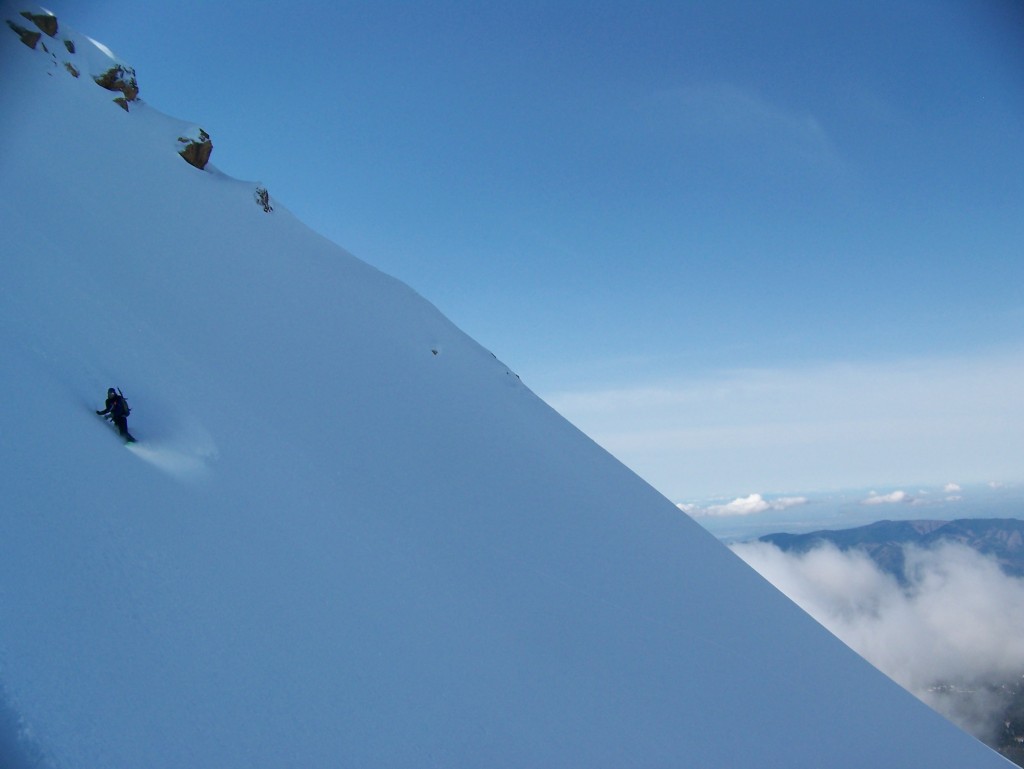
{"points": [[196, 149], [263, 199], [120, 78], [28, 37], [46, 22], [195, 146]]}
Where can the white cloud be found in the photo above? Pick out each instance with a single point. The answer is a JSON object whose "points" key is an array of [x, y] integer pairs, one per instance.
{"points": [[950, 624], [952, 492], [755, 503], [750, 505], [784, 503], [895, 498]]}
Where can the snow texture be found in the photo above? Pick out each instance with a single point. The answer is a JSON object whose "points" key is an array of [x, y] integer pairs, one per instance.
{"points": [[348, 535]]}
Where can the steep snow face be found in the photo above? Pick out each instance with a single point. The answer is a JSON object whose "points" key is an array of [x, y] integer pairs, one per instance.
{"points": [[348, 536]]}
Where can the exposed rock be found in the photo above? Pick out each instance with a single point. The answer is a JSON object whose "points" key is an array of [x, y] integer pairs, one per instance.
{"points": [[119, 78], [28, 38], [263, 199], [44, 21], [196, 150]]}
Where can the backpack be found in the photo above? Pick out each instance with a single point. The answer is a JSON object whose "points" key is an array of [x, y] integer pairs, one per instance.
{"points": [[125, 410]]}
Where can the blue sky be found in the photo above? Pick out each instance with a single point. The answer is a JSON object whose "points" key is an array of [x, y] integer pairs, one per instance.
{"points": [[748, 247]]}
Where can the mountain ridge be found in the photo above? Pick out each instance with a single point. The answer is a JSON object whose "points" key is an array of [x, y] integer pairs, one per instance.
{"points": [[999, 538]]}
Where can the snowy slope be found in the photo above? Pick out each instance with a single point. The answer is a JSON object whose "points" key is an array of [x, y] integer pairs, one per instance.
{"points": [[349, 536]]}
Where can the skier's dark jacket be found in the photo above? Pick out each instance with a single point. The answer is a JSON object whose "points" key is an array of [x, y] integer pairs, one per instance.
{"points": [[114, 405]]}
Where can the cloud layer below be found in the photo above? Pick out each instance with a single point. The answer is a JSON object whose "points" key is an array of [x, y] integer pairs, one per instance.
{"points": [[957, 621]]}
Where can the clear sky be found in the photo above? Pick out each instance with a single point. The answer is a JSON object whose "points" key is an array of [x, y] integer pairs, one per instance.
{"points": [[748, 247]]}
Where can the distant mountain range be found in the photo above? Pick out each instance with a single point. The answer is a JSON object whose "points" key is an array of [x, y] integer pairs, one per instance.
{"points": [[884, 541]]}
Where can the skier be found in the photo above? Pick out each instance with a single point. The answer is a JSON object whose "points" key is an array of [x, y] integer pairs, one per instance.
{"points": [[117, 411]]}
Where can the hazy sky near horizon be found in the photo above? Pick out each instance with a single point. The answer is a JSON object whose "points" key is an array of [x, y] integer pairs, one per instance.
{"points": [[747, 247]]}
